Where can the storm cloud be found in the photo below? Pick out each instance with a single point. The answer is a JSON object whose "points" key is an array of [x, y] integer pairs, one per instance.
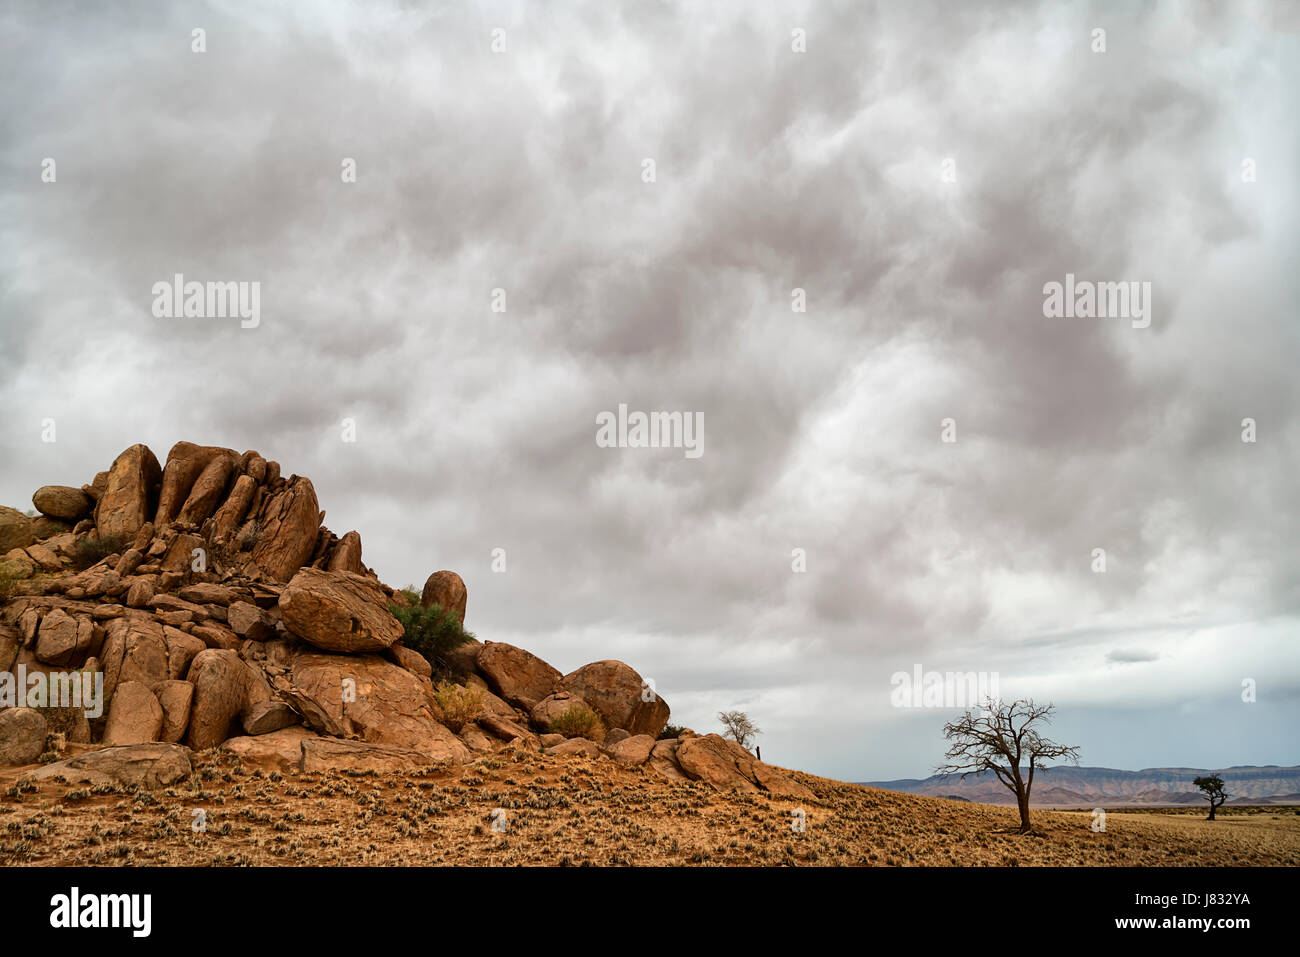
{"points": [[919, 171]]}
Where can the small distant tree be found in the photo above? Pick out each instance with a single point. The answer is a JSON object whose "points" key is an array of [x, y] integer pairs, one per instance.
{"points": [[738, 727], [1212, 785], [1003, 740]]}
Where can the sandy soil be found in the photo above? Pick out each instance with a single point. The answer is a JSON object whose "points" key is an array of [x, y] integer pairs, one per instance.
{"points": [[517, 807]]}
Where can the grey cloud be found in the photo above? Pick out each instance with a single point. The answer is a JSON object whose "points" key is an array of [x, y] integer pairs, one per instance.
{"points": [[1122, 656], [775, 170]]}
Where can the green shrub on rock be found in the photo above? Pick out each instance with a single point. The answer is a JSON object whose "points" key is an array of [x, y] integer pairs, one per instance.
{"points": [[434, 632]]}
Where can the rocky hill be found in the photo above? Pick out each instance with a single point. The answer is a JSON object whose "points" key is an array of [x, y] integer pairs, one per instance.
{"points": [[213, 609]]}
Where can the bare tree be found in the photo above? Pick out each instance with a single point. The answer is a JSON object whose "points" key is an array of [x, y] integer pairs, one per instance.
{"points": [[1213, 788], [1002, 740], [739, 727]]}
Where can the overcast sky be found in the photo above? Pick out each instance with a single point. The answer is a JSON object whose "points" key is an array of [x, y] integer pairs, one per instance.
{"points": [[921, 171]]}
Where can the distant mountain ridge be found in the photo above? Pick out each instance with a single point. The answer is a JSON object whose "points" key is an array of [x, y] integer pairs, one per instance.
{"points": [[1066, 785]]}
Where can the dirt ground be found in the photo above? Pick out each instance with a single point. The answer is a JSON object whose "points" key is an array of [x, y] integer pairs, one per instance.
{"points": [[523, 808]]}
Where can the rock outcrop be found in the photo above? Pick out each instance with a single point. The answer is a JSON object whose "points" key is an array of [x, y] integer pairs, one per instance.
{"points": [[372, 699], [219, 612], [130, 491], [633, 750], [22, 735], [727, 766], [447, 590], [277, 750], [148, 765], [323, 754], [223, 688], [663, 760], [519, 676], [339, 611], [135, 716], [62, 503], [15, 530], [288, 525], [620, 696]]}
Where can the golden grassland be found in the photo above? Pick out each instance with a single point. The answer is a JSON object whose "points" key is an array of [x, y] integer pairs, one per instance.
{"points": [[579, 811]]}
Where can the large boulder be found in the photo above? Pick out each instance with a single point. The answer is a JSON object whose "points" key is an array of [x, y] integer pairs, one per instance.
{"points": [[22, 735], [339, 611], [663, 760], [447, 590], [346, 555], [215, 635], [148, 765], [506, 729], [62, 503], [475, 739], [130, 493], [181, 649], [410, 659], [15, 529], [253, 465], [223, 687], [177, 700], [777, 783], [289, 520], [268, 716], [134, 650], [209, 488], [134, 715], [208, 593], [44, 527], [140, 590], [727, 766], [17, 564], [48, 559], [185, 462], [331, 754], [492, 704], [589, 749], [371, 698], [227, 519], [519, 676], [553, 706], [131, 559], [463, 659], [711, 759], [63, 640], [279, 750], [632, 751], [617, 693], [249, 621]]}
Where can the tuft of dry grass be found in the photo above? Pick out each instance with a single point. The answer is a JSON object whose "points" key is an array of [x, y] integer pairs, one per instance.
{"points": [[456, 705], [578, 721]]}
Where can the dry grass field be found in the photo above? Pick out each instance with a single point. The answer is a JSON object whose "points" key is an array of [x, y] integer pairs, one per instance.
{"points": [[578, 811]]}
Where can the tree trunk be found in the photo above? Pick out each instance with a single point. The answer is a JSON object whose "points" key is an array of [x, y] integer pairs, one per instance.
{"points": [[1211, 817], [1022, 800]]}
